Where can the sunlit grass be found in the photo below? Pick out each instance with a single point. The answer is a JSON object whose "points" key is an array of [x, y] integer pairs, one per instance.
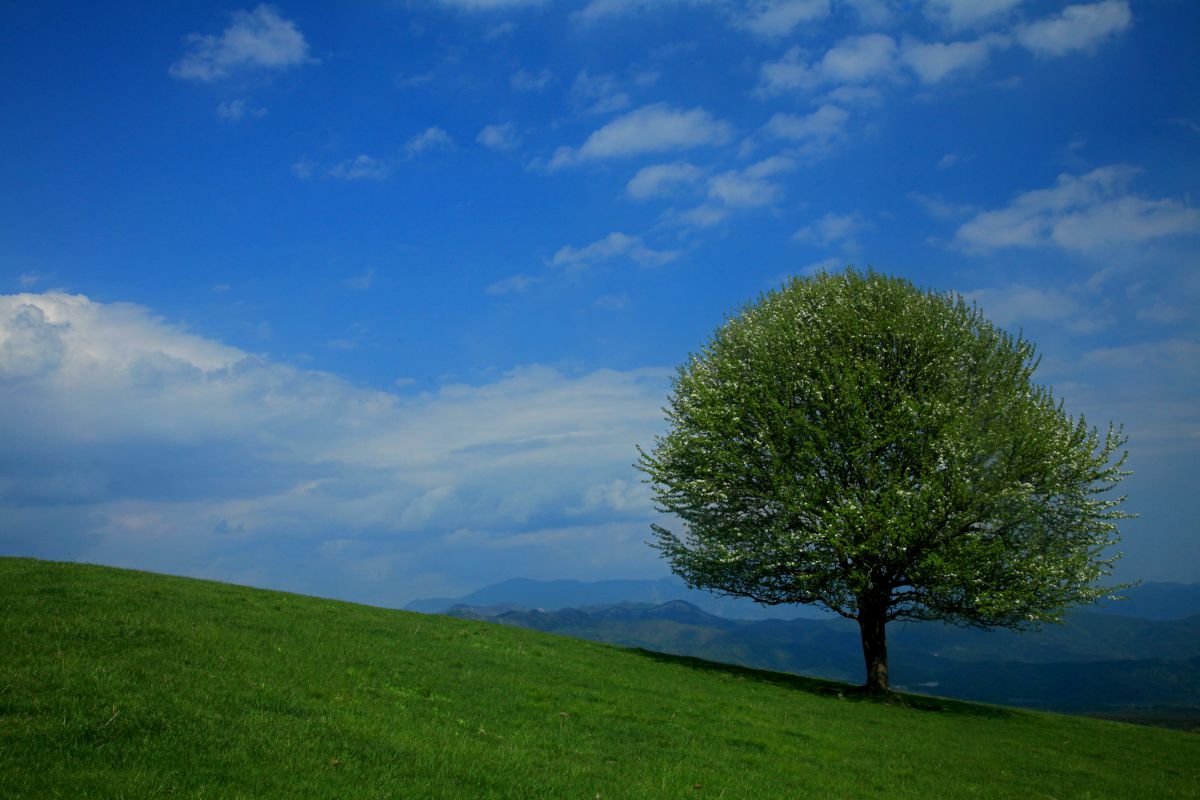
{"points": [[125, 684]]}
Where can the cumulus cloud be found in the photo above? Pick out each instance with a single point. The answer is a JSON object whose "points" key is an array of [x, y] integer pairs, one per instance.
{"points": [[615, 245], [657, 128], [258, 40], [1078, 27], [139, 443], [1080, 212]]}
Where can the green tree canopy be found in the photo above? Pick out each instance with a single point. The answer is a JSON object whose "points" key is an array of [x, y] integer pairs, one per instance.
{"points": [[853, 442]]}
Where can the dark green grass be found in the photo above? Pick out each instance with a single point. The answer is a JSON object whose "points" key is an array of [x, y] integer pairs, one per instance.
{"points": [[124, 684]]}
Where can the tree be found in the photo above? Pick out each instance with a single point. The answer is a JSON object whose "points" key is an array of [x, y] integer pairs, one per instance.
{"points": [[853, 442]]}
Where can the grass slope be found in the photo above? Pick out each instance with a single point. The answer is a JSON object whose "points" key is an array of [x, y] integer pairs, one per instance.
{"points": [[125, 684]]}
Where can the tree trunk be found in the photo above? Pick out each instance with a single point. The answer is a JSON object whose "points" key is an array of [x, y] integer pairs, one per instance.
{"points": [[874, 643]]}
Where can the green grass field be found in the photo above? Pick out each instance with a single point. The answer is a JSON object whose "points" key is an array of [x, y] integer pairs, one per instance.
{"points": [[119, 684]]}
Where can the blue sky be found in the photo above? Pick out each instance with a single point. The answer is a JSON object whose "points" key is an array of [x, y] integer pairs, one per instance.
{"points": [[374, 299]]}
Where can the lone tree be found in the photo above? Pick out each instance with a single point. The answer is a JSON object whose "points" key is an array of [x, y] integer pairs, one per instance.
{"points": [[856, 443]]}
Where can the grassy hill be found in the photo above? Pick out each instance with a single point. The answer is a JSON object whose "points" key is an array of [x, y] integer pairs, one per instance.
{"points": [[125, 684]]}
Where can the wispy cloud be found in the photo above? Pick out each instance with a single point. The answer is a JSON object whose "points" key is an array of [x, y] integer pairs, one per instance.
{"points": [[659, 180], [1078, 27], [489, 5], [657, 128], [813, 133], [362, 281], [258, 40], [776, 18], [752, 186], [526, 81], [514, 284], [1080, 212], [615, 245], [234, 110], [598, 94], [361, 167], [854, 60], [499, 136], [833, 229], [936, 61], [958, 14], [1013, 304], [430, 140]]}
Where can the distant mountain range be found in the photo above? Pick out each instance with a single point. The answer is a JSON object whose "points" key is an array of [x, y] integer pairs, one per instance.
{"points": [[1153, 601], [1138, 658], [555, 595]]}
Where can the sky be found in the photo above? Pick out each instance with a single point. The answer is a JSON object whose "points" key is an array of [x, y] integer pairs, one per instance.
{"points": [[375, 300]]}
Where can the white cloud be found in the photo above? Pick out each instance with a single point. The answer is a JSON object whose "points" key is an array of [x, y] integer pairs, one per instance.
{"points": [[824, 265], [526, 81], [489, 5], [947, 161], [752, 186], [612, 302], [238, 109], [601, 10], [514, 284], [859, 59], [876, 13], [361, 167], [703, 216], [833, 229], [1170, 356], [615, 245], [854, 60], [815, 132], [788, 73], [256, 40], [657, 128], [1078, 27], [659, 180], [144, 445], [429, 140], [599, 94], [957, 14], [1080, 212], [500, 136], [1008, 305], [936, 61], [772, 18], [500, 31], [362, 281]]}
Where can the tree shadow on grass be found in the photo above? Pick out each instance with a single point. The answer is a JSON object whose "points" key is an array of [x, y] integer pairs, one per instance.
{"points": [[822, 687]]}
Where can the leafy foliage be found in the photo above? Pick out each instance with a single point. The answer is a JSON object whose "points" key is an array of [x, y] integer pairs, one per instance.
{"points": [[856, 443]]}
